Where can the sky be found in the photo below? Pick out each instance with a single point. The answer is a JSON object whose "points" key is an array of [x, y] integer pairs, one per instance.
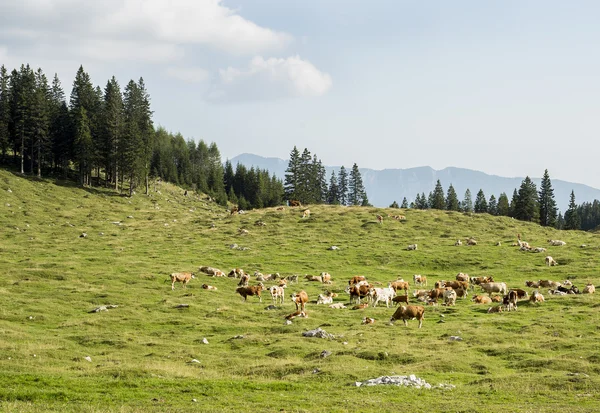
{"points": [[506, 87]]}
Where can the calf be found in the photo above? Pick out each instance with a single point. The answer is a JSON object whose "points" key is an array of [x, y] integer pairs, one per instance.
{"points": [[536, 297], [368, 320], [325, 277], [400, 299], [510, 300], [314, 278], [250, 290], [412, 247], [181, 277], [356, 279], [337, 305], [497, 309], [399, 285], [409, 312], [556, 242], [300, 299], [550, 262], [471, 241], [292, 278], [589, 289], [458, 243], [532, 284], [208, 287], [295, 314], [324, 299], [419, 279], [481, 299], [235, 273], [277, 294], [306, 213], [244, 280], [380, 219]]}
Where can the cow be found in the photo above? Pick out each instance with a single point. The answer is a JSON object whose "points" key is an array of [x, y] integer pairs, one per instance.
{"points": [[437, 293], [292, 278], [244, 280], [324, 299], [399, 285], [556, 242], [549, 284], [313, 278], [306, 213], [296, 314], [368, 320], [359, 291], [481, 280], [419, 279], [550, 261], [380, 219], [455, 284], [494, 287], [234, 210], [471, 241], [250, 290], [325, 277], [481, 299], [383, 294], [412, 247], [589, 289], [356, 279], [462, 277], [510, 301], [181, 277], [277, 294], [521, 294], [280, 208], [409, 312], [211, 271], [420, 293], [400, 299], [497, 298], [208, 287], [337, 305], [360, 306], [294, 203], [449, 297], [461, 293], [497, 309], [536, 297], [300, 299], [235, 273], [458, 243], [532, 284], [538, 249]]}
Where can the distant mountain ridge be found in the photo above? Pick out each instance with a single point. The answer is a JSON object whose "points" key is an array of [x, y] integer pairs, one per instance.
{"points": [[388, 185]]}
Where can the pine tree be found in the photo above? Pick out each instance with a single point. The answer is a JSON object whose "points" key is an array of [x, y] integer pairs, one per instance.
{"points": [[306, 178], [4, 112], [343, 186], [547, 202], [526, 207], [83, 96], [292, 175], [60, 128], [356, 190], [228, 177], [83, 146], [503, 205], [438, 201], [112, 131], [146, 129], [452, 203], [467, 203], [492, 206], [40, 122], [332, 194], [404, 203], [394, 205], [572, 219], [513, 204], [481, 205], [22, 91], [560, 222]]}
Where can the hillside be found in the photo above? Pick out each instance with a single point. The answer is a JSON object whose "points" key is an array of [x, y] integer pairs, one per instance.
{"points": [[141, 353], [388, 185]]}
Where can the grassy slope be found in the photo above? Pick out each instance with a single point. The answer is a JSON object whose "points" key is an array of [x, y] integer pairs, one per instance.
{"points": [[140, 351]]}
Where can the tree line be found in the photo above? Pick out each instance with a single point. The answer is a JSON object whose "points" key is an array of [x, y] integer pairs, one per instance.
{"points": [[106, 137], [526, 204], [306, 181]]}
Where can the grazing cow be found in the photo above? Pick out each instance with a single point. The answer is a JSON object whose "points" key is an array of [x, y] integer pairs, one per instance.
{"points": [[235, 273], [181, 277], [550, 261], [471, 241], [244, 279], [497, 309], [494, 288], [380, 219], [300, 299], [324, 299], [399, 285], [548, 284], [325, 277], [510, 300], [409, 312], [208, 287], [277, 294], [532, 284], [294, 203], [306, 213], [383, 294], [356, 279], [589, 289], [368, 320], [458, 243], [359, 291], [314, 278], [481, 299], [449, 297], [400, 299], [556, 242], [292, 278], [521, 293], [481, 280], [536, 297], [462, 277], [412, 247], [250, 290], [420, 279]]}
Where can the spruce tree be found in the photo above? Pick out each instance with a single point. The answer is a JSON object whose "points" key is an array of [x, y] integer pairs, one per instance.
{"points": [[40, 122], [572, 219], [547, 202], [438, 201], [467, 203], [560, 222], [394, 205], [452, 203], [481, 205], [60, 128], [83, 146], [492, 206], [307, 177], [356, 190], [112, 131], [228, 178], [332, 194], [4, 112], [513, 204], [404, 203], [146, 128], [292, 175], [343, 186], [503, 205], [526, 208]]}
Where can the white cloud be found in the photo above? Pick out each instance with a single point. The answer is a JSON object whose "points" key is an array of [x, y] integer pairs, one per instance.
{"points": [[188, 74], [271, 79]]}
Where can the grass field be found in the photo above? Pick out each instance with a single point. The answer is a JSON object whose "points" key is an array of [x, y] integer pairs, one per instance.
{"points": [[541, 358]]}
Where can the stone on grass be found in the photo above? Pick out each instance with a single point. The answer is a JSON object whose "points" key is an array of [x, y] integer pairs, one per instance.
{"points": [[88, 358], [318, 332], [103, 308], [405, 381]]}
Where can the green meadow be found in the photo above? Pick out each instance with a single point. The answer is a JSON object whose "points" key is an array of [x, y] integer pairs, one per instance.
{"points": [[57, 355]]}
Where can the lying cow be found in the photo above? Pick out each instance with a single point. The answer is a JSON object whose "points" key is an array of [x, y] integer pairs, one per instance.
{"points": [[412, 247], [497, 309], [481, 299], [409, 312], [536, 297], [556, 242], [589, 289], [208, 287], [419, 279], [325, 278], [324, 299], [181, 277]]}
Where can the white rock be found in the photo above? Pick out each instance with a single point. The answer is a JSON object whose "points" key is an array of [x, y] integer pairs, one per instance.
{"points": [[195, 361], [88, 358], [204, 340]]}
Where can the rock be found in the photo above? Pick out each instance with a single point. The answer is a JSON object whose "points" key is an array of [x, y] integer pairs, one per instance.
{"points": [[233, 246], [84, 235], [316, 371], [325, 354], [194, 400], [9, 190], [318, 332], [204, 340], [238, 337], [407, 381], [182, 306], [194, 361], [333, 248], [103, 308], [271, 307], [88, 358], [101, 233], [287, 322], [455, 338], [130, 216]]}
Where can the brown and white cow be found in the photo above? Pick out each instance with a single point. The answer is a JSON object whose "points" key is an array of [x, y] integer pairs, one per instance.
{"points": [[300, 299], [181, 277], [409, 312]]}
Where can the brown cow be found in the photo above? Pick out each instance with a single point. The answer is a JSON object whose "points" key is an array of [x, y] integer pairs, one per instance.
{"points": [[380, 219], [300, 299], [181, 277], [400, 299], [356, 279], [409, 312], [250, 290], [481, 299], [399, 285]]}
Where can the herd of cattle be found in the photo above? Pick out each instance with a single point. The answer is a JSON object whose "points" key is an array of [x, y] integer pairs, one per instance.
{"points": [[363, 294]]}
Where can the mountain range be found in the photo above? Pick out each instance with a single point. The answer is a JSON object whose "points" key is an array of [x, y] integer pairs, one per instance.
{"points": [[388, 185]]}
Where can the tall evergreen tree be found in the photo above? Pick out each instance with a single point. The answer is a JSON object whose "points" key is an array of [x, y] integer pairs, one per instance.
{"points": [[572, 220], [513, 204], [547, 202], [83, 146], [83, 96], [404, 203], [112, 131], [60, 128], [356, 190], [481, 204], [467, 203], [332, 194], [228, 177], [146, 130], [503, 205], [492, 206], [292, 175], [560, 221], [343, 186], [306, 175], [40, 122], [452, 203], [526, 208], [4, 112], [438, 201]]}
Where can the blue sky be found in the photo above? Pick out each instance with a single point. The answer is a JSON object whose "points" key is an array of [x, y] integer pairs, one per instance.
{"points": [[505, 87]]}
